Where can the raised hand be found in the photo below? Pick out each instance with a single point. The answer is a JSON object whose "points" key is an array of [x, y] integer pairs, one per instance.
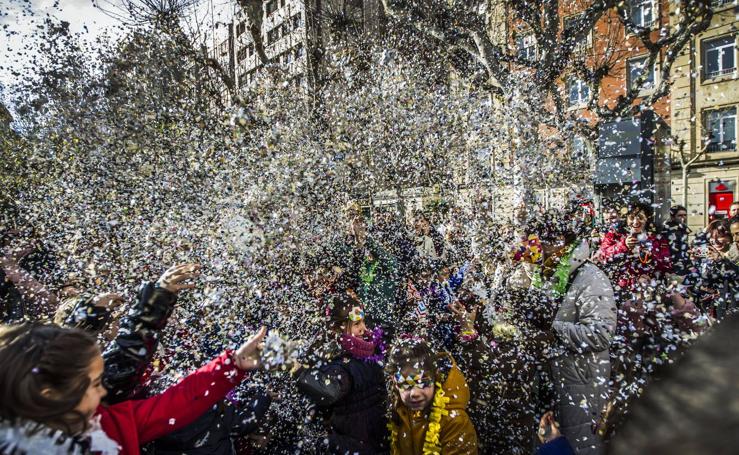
{"points": [[247, 356], [174, 278], [548, 428]]}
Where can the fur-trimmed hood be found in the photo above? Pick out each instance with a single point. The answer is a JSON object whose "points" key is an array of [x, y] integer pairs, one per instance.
{"points": [[30, 438]]}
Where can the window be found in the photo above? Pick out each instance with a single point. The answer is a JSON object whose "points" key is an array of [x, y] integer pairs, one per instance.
{"points": [[273, 35], [718, 57], [526, 46], [635, 68], [719, 3], [642, 12], [284, 30], [299, 51], [569, 24], [721, 124], [241, 28], [250, 50], [241, 55], [578, 92], [579, 150], [296, 21], [271, 7]]}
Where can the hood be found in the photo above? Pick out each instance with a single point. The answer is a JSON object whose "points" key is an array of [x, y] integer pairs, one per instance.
{"points": [[31, 438], [580, 254], [455, 388]]}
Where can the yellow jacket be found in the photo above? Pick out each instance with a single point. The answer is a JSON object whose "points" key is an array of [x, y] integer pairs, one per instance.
{"points": [[457, 434]]}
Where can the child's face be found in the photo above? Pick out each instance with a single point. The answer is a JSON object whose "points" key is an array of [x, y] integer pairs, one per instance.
{"points": [[417, 393], [95, 391], [356, 328]]}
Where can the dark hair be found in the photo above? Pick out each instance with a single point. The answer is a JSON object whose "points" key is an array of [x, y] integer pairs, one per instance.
{"points": [[37, 357], [722, 226], [693, 407], [676, 208], [338, 309], [411, 352], [646, 210], [733, 220]]}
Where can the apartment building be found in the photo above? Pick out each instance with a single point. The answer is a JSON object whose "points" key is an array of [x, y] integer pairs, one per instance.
{"points": [[705, 98], [291, 31]]}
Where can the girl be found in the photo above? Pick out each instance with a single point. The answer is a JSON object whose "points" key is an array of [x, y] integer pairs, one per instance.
{"points": [[350, 387], [50, 398], [428, 403]]}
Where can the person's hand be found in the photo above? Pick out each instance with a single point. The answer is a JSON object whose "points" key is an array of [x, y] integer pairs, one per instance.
{"points": [[18, 250], [108, 301], [247, 356], [466, 319], [713, 254], [548, 428], [173, 279], [631, 242]]}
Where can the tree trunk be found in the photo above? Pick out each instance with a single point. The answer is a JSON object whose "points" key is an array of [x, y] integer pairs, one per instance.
{"points": [[685, 169]]}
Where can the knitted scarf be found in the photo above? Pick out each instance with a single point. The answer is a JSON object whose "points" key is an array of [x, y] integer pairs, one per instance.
{"points": [[369, 350]]}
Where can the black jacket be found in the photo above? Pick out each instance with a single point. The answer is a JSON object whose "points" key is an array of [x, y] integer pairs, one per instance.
{"points": [[353, 393], [212, 432], [129, 355]]}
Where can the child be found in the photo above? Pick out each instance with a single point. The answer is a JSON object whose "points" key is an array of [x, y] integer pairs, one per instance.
{"points": [[428, 403], [50, 399], [351, 385]]}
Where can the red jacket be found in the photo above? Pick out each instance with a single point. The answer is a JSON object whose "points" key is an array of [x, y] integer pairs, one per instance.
{"points": [[134, 423], [653, 262]]}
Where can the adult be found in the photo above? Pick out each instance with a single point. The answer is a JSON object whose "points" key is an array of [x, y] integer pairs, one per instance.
{"points": [[429, 242], [583, 327], [720, 270], [676, 231], [734, 210], [639, 256], [370, 271]]}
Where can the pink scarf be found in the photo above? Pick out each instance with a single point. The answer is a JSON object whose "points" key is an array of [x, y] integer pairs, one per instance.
{"points": [[362, 349]]}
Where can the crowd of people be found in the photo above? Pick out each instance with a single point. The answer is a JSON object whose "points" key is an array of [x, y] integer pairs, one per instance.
{"points": [[539, 337]]}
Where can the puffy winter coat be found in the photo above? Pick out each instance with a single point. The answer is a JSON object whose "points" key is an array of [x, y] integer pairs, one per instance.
{"points": [[130, 354], [457, 435], [584, 326], [133, 423], [353, 392]]}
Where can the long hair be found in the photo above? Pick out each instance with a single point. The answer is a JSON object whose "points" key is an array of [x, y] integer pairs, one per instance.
{"points": [[45, 374]]}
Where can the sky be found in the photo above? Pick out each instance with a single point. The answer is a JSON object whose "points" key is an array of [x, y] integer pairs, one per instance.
{"points": [[20, 19]]}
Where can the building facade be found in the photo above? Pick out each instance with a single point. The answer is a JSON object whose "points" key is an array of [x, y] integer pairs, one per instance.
{"points": [[705, 98], [292, 32]]}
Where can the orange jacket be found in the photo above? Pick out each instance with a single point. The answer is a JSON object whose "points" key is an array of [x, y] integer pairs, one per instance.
{"points": [[457, 434]]}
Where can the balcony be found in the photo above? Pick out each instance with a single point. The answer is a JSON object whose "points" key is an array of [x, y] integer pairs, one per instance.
{"points": [[719, 73], [726, 146]]}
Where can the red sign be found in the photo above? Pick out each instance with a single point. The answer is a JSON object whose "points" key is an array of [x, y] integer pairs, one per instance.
{"points": [[720, 197]]}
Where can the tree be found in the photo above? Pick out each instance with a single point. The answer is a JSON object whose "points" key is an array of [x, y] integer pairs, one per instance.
{"points": [[686, 161], [529, 84]]}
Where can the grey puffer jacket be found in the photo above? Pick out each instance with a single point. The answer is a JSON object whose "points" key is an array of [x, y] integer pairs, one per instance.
{"points": [[584, 326]]}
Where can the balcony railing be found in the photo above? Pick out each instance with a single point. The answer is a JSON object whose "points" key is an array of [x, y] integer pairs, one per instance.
{"points": [[719, 73], [726, 146], [720, 3]]}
